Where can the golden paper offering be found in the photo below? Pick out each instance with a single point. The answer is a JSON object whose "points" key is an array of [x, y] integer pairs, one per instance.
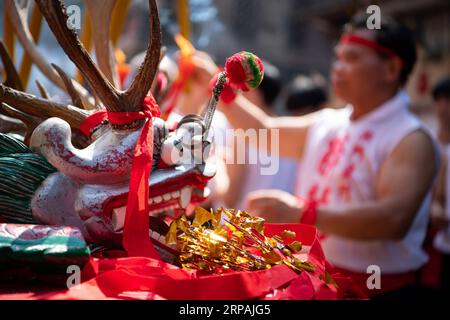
{"points": [[229, 239]]}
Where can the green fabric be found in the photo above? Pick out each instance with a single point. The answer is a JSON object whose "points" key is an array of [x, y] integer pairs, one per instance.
{"points": [[51, 253], [21, 173]]}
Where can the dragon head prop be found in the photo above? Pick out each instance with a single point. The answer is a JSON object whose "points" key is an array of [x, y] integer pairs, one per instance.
{"points": [[66, 178], [87, 185]]}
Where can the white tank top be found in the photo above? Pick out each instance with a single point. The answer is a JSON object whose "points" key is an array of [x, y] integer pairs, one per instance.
{"points": [[340, 166]]}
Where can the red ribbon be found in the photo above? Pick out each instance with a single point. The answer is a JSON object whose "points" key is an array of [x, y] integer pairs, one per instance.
{"points": [[136, 240], [228, 94], [146, 278], [352, 38], [309, 212]]}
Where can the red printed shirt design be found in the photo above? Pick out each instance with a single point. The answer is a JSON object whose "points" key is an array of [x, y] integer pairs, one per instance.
{"points": [[337, 166]]}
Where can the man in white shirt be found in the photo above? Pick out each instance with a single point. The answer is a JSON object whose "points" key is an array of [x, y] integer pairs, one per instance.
{"points": [[370, 165]]}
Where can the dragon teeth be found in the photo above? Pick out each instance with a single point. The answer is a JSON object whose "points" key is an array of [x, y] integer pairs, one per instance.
{"points": [[155, 235], [118, 218], [168, 208], [176, 194], [185, 197], [165, 197]]}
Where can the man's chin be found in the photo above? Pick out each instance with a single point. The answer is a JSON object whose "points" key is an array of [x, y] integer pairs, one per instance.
{"points": [[341, 98]]}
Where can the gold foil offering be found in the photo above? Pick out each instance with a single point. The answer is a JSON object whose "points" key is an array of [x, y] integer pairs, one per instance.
{"points": [[288, 234], [231, 239]]}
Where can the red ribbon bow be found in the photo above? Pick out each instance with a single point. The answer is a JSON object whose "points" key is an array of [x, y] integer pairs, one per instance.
{"points": [[136, 240]]}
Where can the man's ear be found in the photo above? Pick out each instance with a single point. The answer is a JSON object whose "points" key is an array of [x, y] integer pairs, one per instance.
{"points": [[394, 67]]}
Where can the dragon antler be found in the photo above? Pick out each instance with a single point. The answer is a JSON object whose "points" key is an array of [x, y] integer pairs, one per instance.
{"points": [[112, 98], [15, 99], [18, 17]]}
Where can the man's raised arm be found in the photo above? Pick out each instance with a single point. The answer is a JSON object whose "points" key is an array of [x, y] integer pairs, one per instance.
{"points": [[292, 130], [243, 114]]}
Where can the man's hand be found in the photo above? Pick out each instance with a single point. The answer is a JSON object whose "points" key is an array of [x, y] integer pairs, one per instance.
{"points": [[274, 206]]}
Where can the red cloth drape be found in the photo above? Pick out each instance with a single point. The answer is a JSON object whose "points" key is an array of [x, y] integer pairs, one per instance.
{"points": [[147, 278]]}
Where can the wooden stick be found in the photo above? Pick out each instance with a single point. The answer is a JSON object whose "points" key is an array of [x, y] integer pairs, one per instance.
{"points": [[8, 36], [184, 19], [35, 30], [118, 17]]}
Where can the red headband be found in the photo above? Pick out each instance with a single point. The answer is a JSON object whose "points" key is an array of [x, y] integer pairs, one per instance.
{"points": [[352, 38]]}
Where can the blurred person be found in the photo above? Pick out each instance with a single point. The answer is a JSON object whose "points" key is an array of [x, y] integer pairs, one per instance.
{"points": [[134, 35], [440, 210], [305, 94], [248, 177], [368, 168], [167, 73], [268, 91]]}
